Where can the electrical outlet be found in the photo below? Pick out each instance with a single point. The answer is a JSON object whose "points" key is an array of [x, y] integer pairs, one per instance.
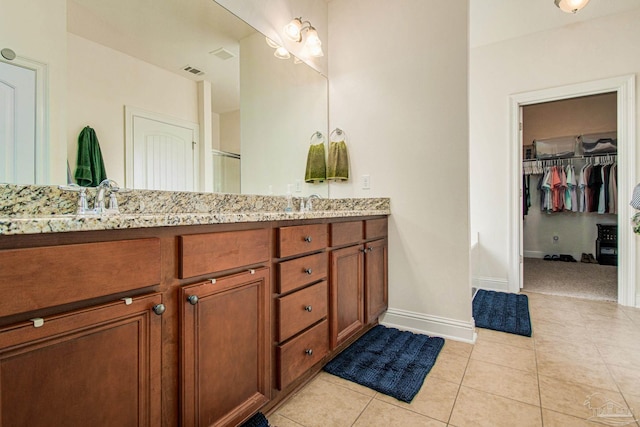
{"points": [[298, 186], [556, 239], [366, 182]]}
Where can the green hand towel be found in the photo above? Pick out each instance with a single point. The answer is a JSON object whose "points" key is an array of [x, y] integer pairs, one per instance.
{"points": [[338, 163], [90, 171], [316, 164]]}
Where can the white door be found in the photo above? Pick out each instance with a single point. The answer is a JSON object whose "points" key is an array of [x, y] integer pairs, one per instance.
{"points": [[161, 153], [17, 124]]}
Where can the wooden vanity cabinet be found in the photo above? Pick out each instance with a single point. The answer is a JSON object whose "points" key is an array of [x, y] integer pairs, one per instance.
{"points": [[358, 276], [301, 301], [98, 366], [225, 348]]}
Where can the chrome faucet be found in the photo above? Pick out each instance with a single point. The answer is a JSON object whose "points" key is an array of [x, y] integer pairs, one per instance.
{"points": [[308, 206], [107, 184]]}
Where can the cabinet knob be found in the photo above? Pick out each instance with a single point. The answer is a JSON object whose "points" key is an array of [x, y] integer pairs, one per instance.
{"points": [[159, 309], [370, 249], [193, 299], [308, 308], [308, 352], [307, 239], [308, 270], [363, 250]]}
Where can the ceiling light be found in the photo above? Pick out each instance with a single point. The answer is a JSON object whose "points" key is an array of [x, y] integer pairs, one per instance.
{"points": [[571, 6]]}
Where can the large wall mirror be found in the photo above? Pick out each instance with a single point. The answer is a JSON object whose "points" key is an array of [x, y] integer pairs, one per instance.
{"points": [[190, 64]]}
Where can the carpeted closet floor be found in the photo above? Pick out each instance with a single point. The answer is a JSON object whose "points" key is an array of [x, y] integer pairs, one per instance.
{"points": [[573, 279]]}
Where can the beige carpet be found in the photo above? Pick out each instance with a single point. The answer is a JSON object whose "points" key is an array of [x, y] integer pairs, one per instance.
{"points": [[574, 279]]}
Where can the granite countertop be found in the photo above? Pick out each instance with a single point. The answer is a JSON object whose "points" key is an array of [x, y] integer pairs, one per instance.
{"points": [[26, 209]]}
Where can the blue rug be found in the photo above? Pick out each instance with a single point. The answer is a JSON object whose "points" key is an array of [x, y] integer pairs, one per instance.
{"points": [[501, 311], [387, 360], [258, 420]]}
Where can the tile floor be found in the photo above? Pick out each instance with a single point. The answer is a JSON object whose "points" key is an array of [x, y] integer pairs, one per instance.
{"points": [[579, 347]]}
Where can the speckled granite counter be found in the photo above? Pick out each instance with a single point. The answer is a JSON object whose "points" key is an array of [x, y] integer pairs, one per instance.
{"points": [[28, 209]]}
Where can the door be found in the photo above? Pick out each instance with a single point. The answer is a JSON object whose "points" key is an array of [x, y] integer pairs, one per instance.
{"points": [[347, 293], [376, 287], [161, 153], [17, 124]]}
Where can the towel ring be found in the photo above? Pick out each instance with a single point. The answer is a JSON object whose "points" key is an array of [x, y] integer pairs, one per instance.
{"points": [[338, 135], [317, 138]]}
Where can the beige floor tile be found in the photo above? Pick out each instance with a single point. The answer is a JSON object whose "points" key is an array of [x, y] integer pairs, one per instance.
{"points": [[347, 384], [627, 379], [633, 402], [435, 399], [503, 381], [382, 414], [477, 408], [505, 355], [555, 345], [277, 420], [505, 338], [617, 337], [556, 419], [580, 370], [456, 348], [449, 368], [322, 403], [619, 356], [569, 398], [556, 315], [572, 333]]}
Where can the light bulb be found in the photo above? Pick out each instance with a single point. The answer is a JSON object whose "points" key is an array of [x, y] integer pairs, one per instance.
{"points": [[292, 29], [281, 53], [315, 50], [571, 6], [312, 38]]}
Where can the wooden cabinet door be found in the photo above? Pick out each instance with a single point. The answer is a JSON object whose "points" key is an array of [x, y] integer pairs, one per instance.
{"points": [[347, 293], [225, 349], [376, 279], [93, 367]]}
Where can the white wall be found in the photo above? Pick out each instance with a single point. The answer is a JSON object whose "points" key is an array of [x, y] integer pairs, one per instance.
{"points": [[102, 81], [398, 88], [592, 50], [37, 30], [230, 131]]}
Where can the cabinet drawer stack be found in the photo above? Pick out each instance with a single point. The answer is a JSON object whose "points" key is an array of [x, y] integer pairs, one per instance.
{"points": [[302, 330]]}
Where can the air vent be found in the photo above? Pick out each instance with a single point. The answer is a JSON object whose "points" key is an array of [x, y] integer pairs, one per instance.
{"points": [[193, 71], [222, 53]]}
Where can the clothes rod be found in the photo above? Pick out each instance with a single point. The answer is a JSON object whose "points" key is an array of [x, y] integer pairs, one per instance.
{"points": [[593, 156]]}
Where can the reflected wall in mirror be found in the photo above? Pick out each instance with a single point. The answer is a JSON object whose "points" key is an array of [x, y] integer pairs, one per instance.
{"points": [[102, 56]]}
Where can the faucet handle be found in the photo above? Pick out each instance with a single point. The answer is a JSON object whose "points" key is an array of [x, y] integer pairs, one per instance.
{"points": [[82, 196]]}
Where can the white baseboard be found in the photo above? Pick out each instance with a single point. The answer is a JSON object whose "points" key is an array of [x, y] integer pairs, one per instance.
{"points": [[534, 254], [430, 325], [638, 300], [490, 283]]}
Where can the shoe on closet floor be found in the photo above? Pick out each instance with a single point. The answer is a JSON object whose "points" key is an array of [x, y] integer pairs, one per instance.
{"points": [[547, 258], [585, 258], [555, 257], [567, 258], [592, 260]]}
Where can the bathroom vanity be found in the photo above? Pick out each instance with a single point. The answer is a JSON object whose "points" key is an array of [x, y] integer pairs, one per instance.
{"points": [[173, 318]]}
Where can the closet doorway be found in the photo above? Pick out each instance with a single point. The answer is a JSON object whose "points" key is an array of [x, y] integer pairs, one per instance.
{"points": [[570, 205], [624, 90]]}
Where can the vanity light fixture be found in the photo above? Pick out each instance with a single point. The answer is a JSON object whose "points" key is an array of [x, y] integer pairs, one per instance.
{"points": [[294, 30], [571, 6], [280, 52]]}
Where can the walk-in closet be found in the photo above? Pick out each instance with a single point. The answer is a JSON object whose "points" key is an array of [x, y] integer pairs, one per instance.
{"points": [[570, 200]]}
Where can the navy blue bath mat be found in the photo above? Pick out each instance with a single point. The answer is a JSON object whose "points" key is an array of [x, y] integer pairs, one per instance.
{"points": [[388, 360], [258, 420], [502, 312]]}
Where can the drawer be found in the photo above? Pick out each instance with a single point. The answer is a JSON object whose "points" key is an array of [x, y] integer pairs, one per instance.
{"points": [[375, 228], [343, 233], [301, 309], [301, 353], [213, 252], [301, 239], [35, 278], [301, 271]]}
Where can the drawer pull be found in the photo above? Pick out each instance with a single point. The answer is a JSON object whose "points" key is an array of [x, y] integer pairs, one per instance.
{"points": [[308, 308], [307, 239], [308, 270], [37, 322], [309, 352], [193, 299], [159, 309]]}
